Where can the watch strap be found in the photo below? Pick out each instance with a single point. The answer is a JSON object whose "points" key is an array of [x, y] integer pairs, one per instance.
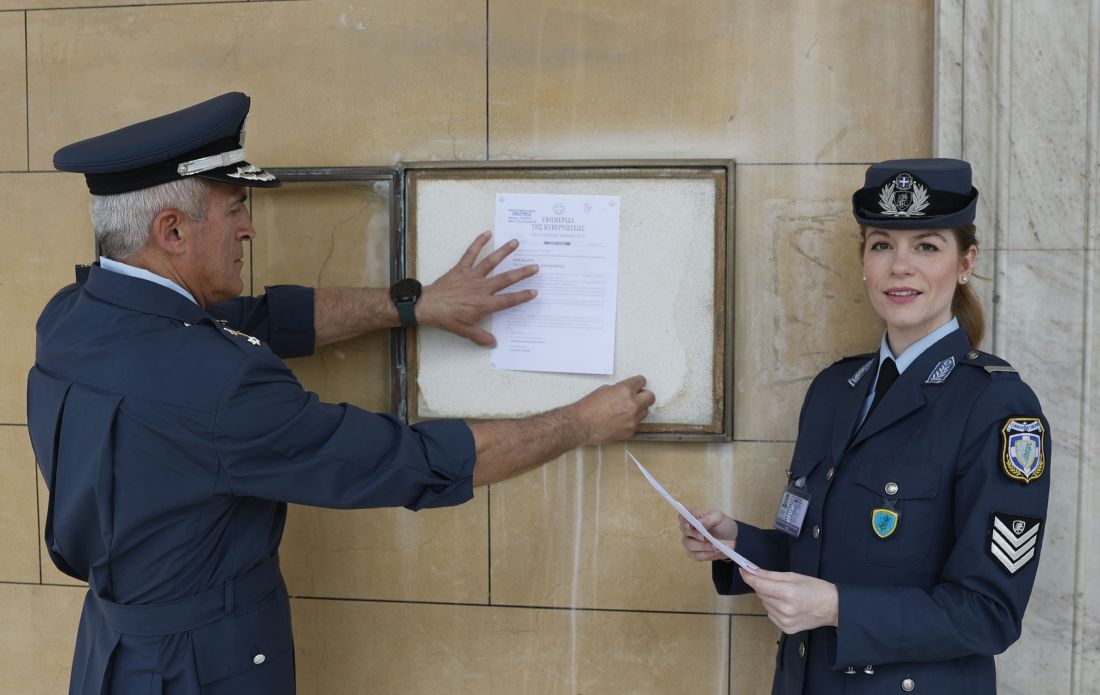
{"points": [[406, 313]]}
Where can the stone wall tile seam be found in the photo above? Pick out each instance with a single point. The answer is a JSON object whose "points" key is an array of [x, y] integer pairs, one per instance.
{"points": [[1002, 166], [154, 5], [1081, 577], [27, 89], [519, 606]]}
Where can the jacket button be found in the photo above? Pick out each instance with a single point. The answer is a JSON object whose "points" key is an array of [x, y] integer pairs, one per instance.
{"points": [[851, 670], [802, 649], [869, 670], [259, 659], [891, 488], [829, 475], [908, 685], [817, 531]]}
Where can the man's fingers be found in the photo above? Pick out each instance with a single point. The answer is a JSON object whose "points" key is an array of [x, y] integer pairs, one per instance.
{"points": [[493, 259], [508, 300], [474, 249], [634, 383], [499, 282]]}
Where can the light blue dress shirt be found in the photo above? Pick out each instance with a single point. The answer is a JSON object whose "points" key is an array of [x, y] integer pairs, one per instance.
{"points": [[135, 272], [906, 358]]}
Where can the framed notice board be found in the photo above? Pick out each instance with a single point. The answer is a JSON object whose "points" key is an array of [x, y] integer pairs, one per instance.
{"points": [[673, 319]]}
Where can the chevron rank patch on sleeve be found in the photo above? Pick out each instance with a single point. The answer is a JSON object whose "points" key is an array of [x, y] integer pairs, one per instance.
{"points": [[1014, 540]]}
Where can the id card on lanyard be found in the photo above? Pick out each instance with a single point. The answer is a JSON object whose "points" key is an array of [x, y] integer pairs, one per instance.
{"points": [[793, 507]]}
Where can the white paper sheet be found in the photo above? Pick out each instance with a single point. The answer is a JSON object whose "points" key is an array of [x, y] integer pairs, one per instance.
{"points": [[570, 326], [741, 560]]}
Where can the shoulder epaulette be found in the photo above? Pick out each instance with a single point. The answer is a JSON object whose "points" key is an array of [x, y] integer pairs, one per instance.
{"points": [[990, 363], [243, 341]]}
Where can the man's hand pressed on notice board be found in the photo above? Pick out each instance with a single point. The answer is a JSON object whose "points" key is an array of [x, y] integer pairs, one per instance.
{"points": [[467, 293], [455, 302]]}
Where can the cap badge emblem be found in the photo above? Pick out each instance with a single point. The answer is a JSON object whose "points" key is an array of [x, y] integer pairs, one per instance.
{"points": [[251, 173], [903, 197]]}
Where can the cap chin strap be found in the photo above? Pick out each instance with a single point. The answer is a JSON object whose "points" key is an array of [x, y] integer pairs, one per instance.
{"points": [[197, 166]]}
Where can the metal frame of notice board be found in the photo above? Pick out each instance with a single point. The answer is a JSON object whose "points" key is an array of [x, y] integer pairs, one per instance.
{"points": [[721, 172], [403, 181]]}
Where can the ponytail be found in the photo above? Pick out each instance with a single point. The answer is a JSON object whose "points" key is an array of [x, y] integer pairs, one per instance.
{"points": [[965, 303]]}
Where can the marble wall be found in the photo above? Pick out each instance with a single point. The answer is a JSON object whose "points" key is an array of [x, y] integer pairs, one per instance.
{"points": [[1018, 94], [570, 579]]}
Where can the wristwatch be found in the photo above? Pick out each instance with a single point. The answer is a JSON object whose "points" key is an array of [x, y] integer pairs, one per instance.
{"points": [[404, 294]]}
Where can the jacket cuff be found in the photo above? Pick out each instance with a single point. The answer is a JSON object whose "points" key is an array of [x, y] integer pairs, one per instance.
{"points": [[450, 452]]}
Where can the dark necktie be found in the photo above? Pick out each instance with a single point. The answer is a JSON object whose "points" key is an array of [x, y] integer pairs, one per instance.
{"points": [[887, 375]]}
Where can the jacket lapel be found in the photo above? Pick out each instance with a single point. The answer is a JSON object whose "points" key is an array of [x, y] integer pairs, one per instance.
{"points": [[903, 398], [844, 422], [907, 393]]}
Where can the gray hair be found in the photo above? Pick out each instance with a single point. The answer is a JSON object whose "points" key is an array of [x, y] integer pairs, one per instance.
{"points": [[122, 221]]}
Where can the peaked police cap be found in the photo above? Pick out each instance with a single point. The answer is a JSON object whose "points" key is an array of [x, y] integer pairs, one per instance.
{"points": [[204, 140], [916, 194]]}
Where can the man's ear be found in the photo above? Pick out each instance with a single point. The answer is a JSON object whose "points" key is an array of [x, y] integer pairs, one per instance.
{"points": [[165, 231]]}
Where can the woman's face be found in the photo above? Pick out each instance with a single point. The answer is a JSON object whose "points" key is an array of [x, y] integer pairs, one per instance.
{"points": [[911, 277]]}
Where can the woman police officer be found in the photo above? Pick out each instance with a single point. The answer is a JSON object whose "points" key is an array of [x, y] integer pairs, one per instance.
{"points": [[908, 536]]}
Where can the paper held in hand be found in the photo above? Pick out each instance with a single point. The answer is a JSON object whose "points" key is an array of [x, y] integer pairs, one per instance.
{"points": [[741, 560]]}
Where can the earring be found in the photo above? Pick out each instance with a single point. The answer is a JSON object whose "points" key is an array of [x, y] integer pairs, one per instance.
{"points": [[865, 278], [964, 279]]}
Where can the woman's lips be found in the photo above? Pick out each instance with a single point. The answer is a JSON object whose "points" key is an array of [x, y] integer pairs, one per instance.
{"points": [[902, 295]]}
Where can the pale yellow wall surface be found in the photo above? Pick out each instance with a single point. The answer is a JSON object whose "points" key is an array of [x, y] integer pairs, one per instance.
{"points": [[13, 93], [569, 579]]}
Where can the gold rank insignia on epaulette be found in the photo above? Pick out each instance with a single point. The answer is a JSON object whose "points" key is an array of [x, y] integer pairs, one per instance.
{"points": [[1022, 455], [251, 340]]}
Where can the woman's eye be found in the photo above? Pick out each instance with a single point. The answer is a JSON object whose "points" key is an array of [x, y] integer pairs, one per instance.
{"points": [[879, 246], [927, 247]]}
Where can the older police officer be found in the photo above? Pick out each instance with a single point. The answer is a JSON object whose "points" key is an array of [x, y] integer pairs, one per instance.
{"points": [[171, 434], [908, 536]]}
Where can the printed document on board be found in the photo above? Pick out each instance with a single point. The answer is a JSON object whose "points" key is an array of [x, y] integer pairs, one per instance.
{"points": [[570, 326]]}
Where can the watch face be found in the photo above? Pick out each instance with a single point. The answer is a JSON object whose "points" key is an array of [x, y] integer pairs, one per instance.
{"points": [[406, 290]]}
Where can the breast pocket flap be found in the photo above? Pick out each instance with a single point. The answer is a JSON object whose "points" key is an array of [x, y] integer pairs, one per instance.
{"points": [[899, 478]]}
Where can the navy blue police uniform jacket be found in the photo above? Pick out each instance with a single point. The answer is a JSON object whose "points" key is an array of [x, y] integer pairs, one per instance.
{"points": [[958, 450], [171, 438]]}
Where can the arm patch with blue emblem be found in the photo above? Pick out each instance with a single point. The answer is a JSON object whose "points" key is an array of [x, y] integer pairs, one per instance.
{"points": [[1022, 455]]}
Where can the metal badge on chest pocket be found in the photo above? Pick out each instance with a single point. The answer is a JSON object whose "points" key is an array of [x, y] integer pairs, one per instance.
{"points": [[891, 509]]}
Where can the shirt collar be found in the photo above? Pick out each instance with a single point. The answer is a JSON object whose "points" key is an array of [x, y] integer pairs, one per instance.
{"points": [[915, 350], [143, 274]]}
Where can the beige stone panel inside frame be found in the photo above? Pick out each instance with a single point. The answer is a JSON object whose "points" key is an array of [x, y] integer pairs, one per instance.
{"points": [[329, 235], [757, 81], [588, 531], [332, 83], [418, 649], [45, 231]]}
